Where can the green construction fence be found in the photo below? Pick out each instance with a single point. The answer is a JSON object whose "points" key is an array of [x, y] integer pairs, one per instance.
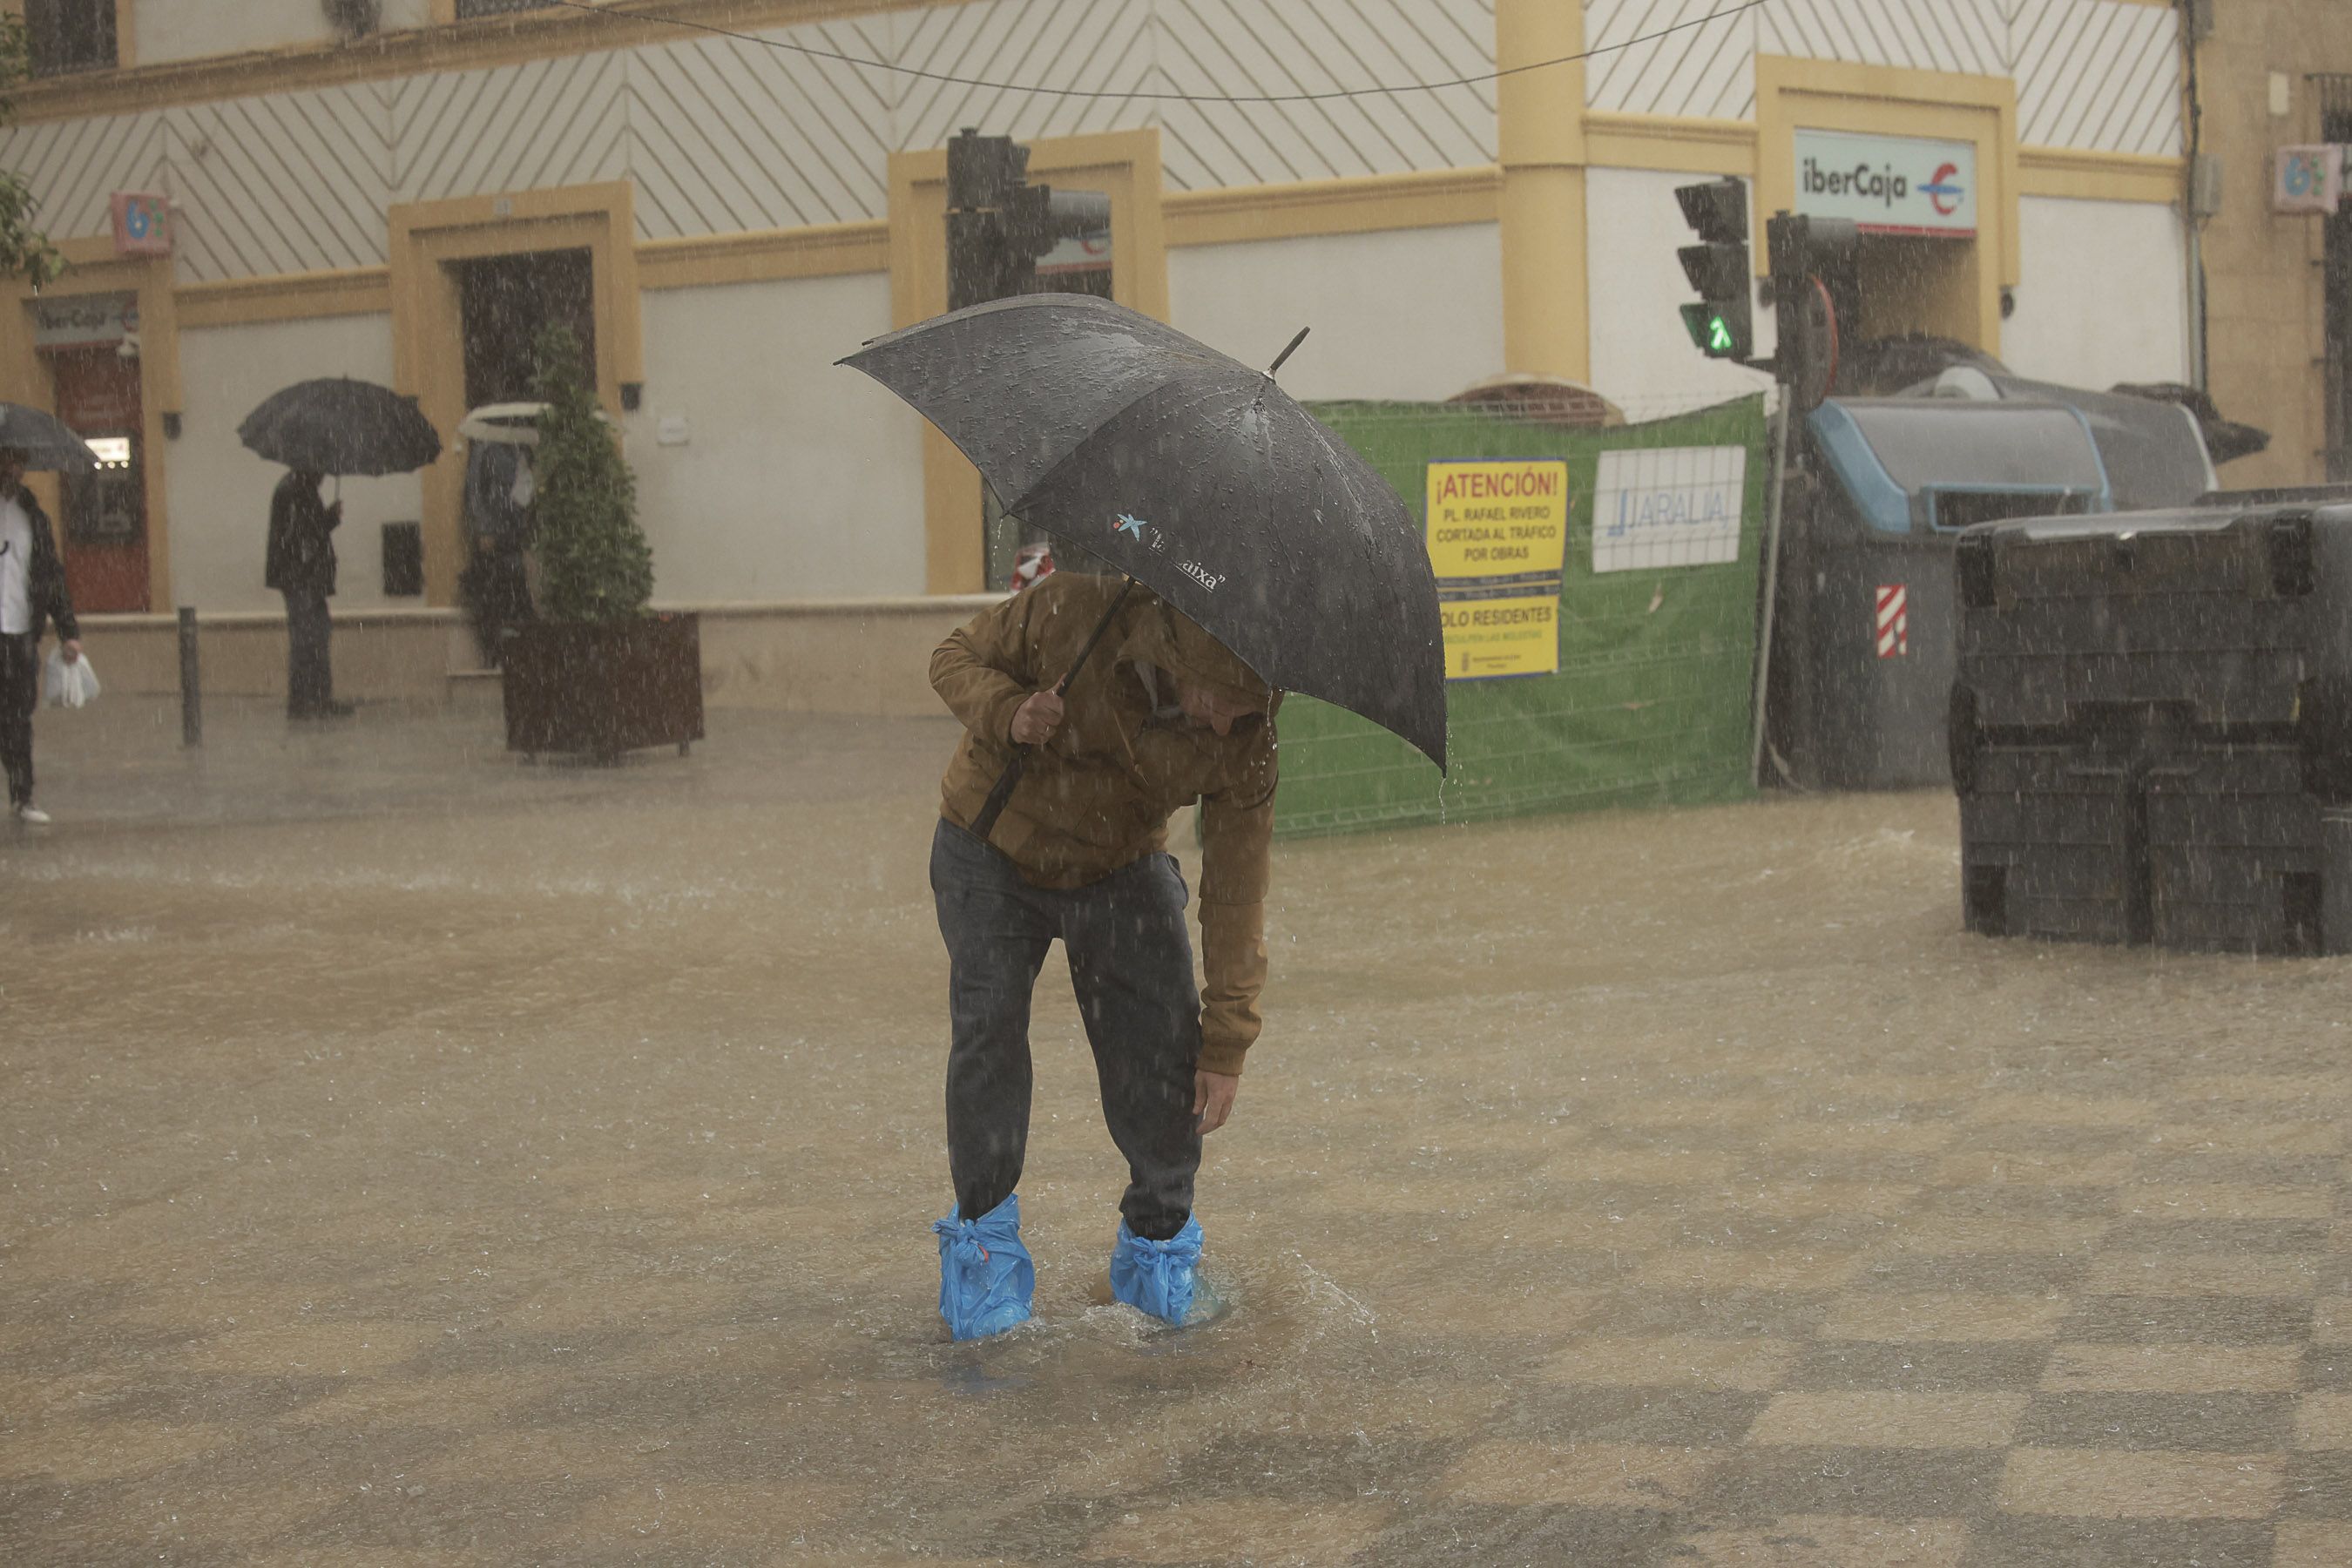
{"points": [[1652, 702]]}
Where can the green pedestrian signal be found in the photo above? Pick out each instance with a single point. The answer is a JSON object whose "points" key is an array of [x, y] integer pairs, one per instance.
{"points": [[1711, 332], [1722, 322]]}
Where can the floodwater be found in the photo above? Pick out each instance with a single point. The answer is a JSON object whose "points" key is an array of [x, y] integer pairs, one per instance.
{"points": [[412, 1156]]}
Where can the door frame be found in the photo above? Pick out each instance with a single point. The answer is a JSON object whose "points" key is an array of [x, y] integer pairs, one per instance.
{"points": [[428, 330], [93, 268], [1890, 100]]}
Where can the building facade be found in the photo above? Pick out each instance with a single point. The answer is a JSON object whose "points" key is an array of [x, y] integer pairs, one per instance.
{"points": [[2277, 305], [727, 195]]}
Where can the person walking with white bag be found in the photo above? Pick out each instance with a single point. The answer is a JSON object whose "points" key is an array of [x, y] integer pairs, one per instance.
{"points": [[32, 594]]}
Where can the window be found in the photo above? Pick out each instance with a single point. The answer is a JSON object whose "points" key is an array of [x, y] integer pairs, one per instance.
{"points": [[68, 36], [467, 9]]}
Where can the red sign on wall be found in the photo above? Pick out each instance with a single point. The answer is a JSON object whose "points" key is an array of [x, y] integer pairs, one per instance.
{"points": [[143, 223]]}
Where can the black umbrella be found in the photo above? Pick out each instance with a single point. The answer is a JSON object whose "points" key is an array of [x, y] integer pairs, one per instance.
{"points": [[43, 440], [338, 426], [1197, 476]]}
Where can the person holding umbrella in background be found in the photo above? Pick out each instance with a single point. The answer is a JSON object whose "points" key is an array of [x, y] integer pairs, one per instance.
{"points": [[32, 591], [301, 565], [337, 425]]}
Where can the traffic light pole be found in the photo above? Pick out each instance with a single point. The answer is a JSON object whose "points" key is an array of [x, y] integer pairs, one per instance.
{"points": [[1802, 253], [1771, 584]]}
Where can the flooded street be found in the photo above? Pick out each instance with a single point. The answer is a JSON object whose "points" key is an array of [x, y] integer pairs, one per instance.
{"points": [[411, 1155]]}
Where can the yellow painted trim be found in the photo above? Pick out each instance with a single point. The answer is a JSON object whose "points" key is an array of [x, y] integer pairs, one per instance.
{"points": [[1669, 145], [2099, 176], [829, 250], [1889, 100], [446, 45], [818, 252], [93, 268], [1123, 164], [1691, 146], [289, 297], [1361, 204], [427, 357], [1540, 141]]}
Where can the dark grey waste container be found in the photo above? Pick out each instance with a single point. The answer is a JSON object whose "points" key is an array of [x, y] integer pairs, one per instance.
{"points": [[2151, 728], [1865, 602]]}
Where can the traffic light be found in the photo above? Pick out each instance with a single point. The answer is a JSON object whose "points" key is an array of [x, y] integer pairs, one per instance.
{"points": [[999, 224], [1721, 323], [1816, 291]]}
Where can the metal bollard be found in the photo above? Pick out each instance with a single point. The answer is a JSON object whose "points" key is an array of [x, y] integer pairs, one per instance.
{"points": [[192, 699]]}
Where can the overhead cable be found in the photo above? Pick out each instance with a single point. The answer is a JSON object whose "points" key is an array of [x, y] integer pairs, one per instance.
{"points": [[815, 52]]}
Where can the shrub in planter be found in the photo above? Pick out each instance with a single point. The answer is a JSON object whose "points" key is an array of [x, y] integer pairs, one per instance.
{"points": [[596, 672]]}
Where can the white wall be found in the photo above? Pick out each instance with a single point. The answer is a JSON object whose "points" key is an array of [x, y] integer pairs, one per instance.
{"points": [[2102, 293], [218, 492], [1642, 357], [799, 480], [1412, 313]]}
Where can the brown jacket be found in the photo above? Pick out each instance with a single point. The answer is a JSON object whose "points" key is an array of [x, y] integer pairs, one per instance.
{"points": [[1098, 794]]}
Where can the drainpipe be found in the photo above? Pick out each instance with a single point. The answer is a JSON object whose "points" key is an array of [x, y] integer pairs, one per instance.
{"points": [[2189, 12]]}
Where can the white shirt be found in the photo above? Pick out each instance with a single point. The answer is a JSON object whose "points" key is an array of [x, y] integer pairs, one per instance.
{"points": [[16, 569]]}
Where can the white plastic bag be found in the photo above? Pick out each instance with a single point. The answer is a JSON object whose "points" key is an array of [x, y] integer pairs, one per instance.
{"points": [[66, 685]]}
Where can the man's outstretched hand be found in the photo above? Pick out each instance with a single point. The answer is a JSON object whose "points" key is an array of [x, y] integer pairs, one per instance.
{"points": [[1035, 722], [1212, 1098]]}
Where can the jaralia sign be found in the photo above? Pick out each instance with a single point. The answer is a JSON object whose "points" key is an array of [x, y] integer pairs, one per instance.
{"points": [[1888, 184]]}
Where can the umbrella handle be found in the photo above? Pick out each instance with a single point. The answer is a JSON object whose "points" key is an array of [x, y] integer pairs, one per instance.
{"points": [[993, 806]]}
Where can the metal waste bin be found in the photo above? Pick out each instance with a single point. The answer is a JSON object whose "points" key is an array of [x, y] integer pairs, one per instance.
{"points": [[2151, 728], [1865, 655]]}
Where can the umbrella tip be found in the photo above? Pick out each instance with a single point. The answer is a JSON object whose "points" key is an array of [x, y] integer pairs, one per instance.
{"points": [[1281, 358]]}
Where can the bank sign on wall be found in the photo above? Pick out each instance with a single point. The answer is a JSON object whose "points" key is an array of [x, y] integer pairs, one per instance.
{"points": [[1888, 184]]}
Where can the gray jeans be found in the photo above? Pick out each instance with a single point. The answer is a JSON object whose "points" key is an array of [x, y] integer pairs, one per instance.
{"points": [[1132, 967], [310, 659]]}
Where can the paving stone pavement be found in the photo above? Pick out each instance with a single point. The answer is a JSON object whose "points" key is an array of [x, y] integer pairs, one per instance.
{"points": [[412, 1158]]}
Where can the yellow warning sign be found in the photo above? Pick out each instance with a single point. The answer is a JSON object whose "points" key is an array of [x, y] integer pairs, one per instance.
{"points": [[1486, 637], [1497, 543]]}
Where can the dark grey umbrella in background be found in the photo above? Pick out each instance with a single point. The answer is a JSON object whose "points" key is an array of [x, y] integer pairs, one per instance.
{"points": [[1197, 476], [338, 426], [46, 442]]}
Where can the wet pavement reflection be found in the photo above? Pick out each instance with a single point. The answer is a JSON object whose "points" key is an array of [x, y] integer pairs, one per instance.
{"points": [[413, 1155]]}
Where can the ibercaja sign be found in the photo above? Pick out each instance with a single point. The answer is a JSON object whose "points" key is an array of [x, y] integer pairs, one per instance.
{"points": [[1888, 184]]}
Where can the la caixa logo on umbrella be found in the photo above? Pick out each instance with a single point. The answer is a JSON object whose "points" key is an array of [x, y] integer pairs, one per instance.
{"points": [[1143, 533]]}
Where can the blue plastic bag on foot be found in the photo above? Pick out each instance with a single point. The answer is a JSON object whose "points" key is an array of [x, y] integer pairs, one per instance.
{"points": [[986, 1278], [1157, 1277]]}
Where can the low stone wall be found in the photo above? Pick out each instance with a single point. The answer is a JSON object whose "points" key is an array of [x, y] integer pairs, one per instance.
{"points": [[852, 655], [855, 656]]}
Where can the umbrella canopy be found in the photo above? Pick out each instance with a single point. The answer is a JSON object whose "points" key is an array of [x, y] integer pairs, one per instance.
{"points": [[509, 423], [338, 426], [505, 424], [46, 442], [1199, 477]]}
